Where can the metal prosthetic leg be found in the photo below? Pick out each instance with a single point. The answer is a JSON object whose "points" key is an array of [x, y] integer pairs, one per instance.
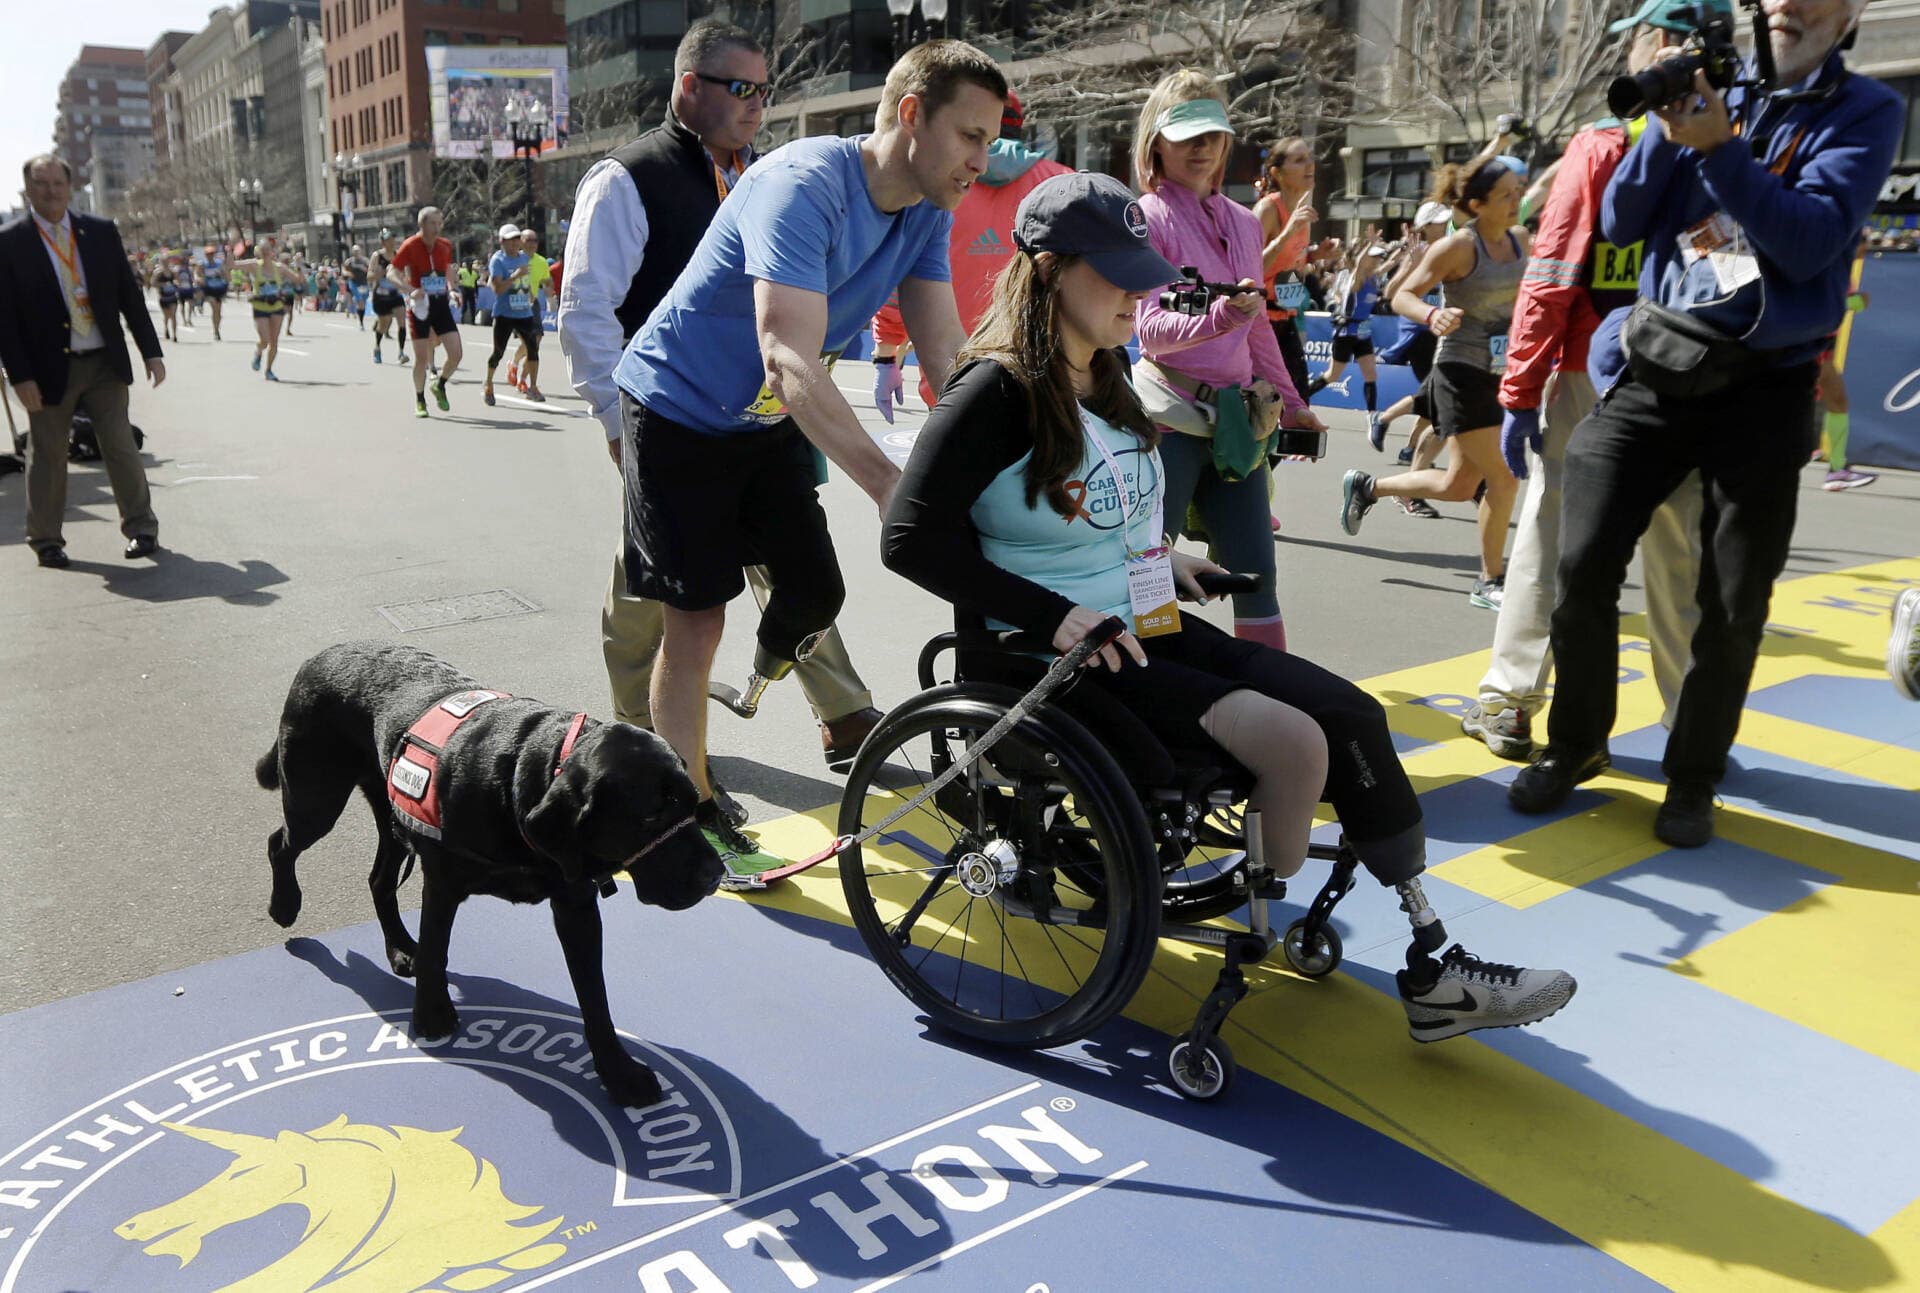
{"points": [[768, 668], [1429, 935]]}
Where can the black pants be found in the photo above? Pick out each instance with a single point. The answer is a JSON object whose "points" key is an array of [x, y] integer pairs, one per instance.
{"points": [[1749, 443], [1293, 351]]}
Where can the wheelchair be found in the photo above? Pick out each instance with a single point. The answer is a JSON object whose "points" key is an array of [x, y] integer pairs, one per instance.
{"points": [[1022, 904]]}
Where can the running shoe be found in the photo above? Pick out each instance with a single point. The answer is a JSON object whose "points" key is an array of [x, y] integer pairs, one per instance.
{"points": [[419, 406], [1507, 732], [740, 854], [256, 361], [440, 393], [1356, 500], [376, 355], [513, 373], [538, 398], [486, 396], [270, 376], [1405, 456], [1376, 433], [1847, 478], [1471, 993], [1903, 645], [1487, 594], [1421, 508]]}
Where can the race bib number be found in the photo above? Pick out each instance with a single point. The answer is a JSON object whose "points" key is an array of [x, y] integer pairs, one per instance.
{"points": [[767, 408], [1497, 353], [1363, 329], [1151, 593], [519, 301], [1723, 244], [268, 292], [1290, 295], [434, 284]]}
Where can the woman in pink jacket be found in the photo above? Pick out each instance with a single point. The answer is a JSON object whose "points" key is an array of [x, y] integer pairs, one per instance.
{"points": [[1214, 382]]}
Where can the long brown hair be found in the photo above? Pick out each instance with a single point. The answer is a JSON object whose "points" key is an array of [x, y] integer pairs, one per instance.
{"points": [[1021, 332]]}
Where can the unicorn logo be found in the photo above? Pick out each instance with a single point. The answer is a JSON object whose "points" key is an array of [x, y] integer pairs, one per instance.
{"points": [[388, 1208]]}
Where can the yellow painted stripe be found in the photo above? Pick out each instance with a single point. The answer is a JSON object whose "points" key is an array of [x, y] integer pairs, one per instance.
{"points": [[1856, 756]]}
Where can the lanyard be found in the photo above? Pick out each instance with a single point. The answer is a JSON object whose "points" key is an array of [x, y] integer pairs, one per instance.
{"points": [[720, 184], [1128, 499], [67, 258]]}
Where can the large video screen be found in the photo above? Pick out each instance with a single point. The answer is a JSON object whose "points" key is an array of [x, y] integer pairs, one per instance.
{"points": [[477, 90]]}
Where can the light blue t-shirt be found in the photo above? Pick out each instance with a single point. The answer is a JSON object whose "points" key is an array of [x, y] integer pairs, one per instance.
{"points": [[801, 217], [516, 302], [1082, 557]]}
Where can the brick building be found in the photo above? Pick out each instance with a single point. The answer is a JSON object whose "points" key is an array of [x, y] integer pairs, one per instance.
{"points": [[379, 119], [105, 125]]}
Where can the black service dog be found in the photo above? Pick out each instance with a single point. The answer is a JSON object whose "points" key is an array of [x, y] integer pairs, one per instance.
{"points": [[516, 821]]}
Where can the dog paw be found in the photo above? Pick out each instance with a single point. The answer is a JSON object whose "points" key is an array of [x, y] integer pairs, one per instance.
{"points": [[401, 959], [434, 1021], [630, 1083], [284, 905]]}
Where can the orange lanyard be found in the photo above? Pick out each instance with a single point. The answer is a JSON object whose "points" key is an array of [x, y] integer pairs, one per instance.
{"points": [[720, 177], [66, 258]]}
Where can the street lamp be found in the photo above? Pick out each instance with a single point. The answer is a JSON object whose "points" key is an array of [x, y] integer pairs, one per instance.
{"points": [[180, 213], [527, 123], [249, 193], [902, 12], [935, 12]]}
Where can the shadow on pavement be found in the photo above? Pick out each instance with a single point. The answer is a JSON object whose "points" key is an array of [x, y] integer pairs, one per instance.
{"points": [[174, 577]]}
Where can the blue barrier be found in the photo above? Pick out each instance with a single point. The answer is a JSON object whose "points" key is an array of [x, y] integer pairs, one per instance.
{"points": [[1883, 367]]}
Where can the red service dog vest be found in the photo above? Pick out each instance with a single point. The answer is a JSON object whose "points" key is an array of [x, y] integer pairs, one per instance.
{"points": [[413, 781]]}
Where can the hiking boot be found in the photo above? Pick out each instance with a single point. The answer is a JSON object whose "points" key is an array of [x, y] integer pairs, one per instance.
{"points": [[740, 854], [1421, 508], [1507, 732], [1903, 645], [1544, 784], [1471, 993], [1847, 478], [1685, 820], [1487, 594], [1356, 500]]}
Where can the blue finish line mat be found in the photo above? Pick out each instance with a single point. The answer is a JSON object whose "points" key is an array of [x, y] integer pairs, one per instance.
{"points": [[1727, 1104]]}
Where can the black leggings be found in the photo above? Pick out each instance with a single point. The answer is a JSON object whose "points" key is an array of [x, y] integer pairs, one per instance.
{"points": [[504, 331], [1293, 351], [1366, 785]]}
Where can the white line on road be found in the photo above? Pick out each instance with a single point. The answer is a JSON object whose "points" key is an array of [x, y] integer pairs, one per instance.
{"points": [[289, 350], [544, 408], [186, 479]]}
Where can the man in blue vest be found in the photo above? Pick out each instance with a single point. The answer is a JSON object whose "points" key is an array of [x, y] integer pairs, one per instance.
{"points": [[1749, 204]]}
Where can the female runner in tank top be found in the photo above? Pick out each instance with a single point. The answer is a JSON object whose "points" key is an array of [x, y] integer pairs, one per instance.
{"points": [[166, 286], [214, 279], [274, 286], [1478, 269]]}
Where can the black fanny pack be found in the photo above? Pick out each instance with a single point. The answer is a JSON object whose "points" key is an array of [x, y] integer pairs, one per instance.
{"points": [[1674, 353]]}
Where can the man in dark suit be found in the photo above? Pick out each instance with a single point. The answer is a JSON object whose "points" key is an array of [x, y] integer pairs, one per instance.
{"points": [[65, 285]]}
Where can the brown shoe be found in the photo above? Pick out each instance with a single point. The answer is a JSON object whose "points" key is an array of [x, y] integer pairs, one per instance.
{"points": [[840, 738]]}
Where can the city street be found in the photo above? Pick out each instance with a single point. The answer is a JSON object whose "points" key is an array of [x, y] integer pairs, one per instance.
{"points": [[1733, 1097]]}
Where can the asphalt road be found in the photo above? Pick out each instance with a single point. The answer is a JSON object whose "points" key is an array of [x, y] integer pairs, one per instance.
{"points": [[137, 695]]}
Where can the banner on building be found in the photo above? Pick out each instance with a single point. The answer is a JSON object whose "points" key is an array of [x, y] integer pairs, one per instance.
{"points": [[479, 92]]}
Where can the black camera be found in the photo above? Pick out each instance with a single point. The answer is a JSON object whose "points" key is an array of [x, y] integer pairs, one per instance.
{"points": [[1194, 295], [1709, 48]]}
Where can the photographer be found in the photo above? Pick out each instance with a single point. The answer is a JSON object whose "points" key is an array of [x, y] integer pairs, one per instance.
{"points": [[1749, 204]]}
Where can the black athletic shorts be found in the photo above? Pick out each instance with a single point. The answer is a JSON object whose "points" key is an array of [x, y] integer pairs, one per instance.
{"points": [[505, 330], [1465, 398], [1346, 349], [217, 293], [386, 303], [1423, 398], [701, 507], [439, 321]]}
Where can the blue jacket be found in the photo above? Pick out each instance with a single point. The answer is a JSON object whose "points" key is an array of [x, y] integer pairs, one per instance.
{"points": [[1802, 225]]}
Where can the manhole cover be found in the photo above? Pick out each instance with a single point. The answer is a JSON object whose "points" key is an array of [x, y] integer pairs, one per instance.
{"points": [[438, 612]]}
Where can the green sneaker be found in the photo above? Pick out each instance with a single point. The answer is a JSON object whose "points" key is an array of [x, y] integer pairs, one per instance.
{"points": [[742, 856], [419, 406], [440, 394]]}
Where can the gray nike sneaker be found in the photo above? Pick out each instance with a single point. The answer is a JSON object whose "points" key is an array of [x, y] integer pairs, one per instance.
{"points": [[1356, 499], [1471, 993]]}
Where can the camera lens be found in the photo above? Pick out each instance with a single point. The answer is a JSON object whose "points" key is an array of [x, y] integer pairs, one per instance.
{"points": [[1633, 96]]}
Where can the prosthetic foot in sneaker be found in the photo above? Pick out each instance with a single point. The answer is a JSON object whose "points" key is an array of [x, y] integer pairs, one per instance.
{"points": [[743, 858], [1469, 993]]}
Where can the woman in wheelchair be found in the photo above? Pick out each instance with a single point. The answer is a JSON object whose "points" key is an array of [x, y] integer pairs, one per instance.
{"points": [[1033, 497]]}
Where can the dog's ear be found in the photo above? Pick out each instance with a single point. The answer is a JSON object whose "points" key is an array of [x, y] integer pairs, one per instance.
{"points": [[554, 826]]}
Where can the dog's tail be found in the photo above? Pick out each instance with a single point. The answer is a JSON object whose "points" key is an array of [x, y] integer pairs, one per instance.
{"points": [[267, 771]]}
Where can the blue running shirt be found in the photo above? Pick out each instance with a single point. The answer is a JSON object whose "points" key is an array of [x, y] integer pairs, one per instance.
{"points": [[801, 217], [517, 301]]}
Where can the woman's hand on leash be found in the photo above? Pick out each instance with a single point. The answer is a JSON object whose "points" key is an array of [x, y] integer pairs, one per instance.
{"points": [[1079, 622], [1185, 567]]}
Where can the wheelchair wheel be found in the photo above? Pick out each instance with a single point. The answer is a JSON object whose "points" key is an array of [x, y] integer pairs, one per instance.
{"points": [[1314, 958], [1201, 1074], [1020, 906]]}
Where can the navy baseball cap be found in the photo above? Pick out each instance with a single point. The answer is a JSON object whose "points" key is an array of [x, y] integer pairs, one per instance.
{"points": [[1098, 218]]}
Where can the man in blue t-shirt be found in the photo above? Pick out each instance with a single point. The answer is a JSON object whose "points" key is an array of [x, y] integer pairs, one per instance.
{"points": [[510, 274], [726, 394]]}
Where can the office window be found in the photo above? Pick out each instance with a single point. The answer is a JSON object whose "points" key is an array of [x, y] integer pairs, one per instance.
{"points": [[1394, 172]]}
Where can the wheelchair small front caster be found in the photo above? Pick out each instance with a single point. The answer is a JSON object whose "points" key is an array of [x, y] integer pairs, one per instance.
{"points": [[1315, 958], [1203, 1074]]}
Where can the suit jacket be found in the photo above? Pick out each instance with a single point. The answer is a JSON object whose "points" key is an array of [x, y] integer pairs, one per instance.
{"points": [[35, 329]]}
